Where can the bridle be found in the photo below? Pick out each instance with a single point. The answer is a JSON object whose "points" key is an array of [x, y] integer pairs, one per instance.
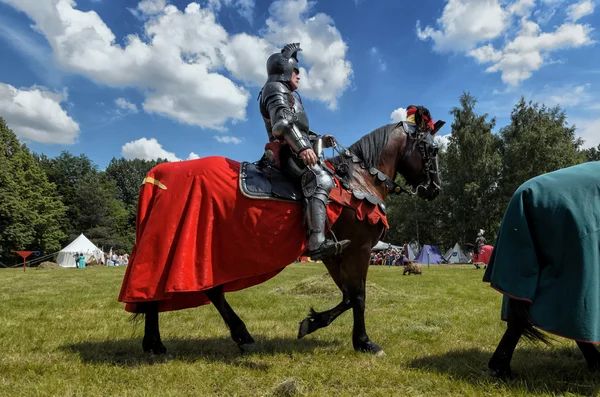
{"points": [[423, 140], [428, 148]]}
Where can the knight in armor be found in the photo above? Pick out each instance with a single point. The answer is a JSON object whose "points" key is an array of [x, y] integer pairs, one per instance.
{"points": [[301, 154], [479, 242]]}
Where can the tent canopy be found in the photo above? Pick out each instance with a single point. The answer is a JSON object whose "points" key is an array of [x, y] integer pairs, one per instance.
{"points": [[429, 254], [457, 255], [81, 245], [381, 246]]}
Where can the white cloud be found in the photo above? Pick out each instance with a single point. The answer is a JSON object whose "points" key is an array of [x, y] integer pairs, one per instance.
{"points": [[27, 43], [381, 64], [588, 130], [146, 149], [151, 7], [464, 23], [398, 115], [567, 96], [528, 51], [579, 10], [179, 61], [485, 54], [228, 139], [443, 141], [245, 7], [37, 115], [124, 104], [521, 7], [322, 44], [150, 149]]}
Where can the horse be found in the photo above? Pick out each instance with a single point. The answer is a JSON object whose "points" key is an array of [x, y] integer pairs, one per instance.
{"points": [[368, 168], [546, 263]]}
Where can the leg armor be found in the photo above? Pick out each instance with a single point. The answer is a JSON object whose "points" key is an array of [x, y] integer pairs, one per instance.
{"points": [[316, 185]]}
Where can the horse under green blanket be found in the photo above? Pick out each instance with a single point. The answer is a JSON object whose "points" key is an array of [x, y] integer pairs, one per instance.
{"points": [[548, 252]]}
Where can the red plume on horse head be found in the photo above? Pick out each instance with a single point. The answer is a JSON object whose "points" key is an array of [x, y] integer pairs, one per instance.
{"points": [[420, 115]]}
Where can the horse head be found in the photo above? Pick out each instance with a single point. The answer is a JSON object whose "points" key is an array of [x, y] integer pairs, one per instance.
{"points": [[417, 160]]}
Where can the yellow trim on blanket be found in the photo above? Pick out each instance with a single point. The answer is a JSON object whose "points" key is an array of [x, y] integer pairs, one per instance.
{"points": [[411, 119], [153, 181]]}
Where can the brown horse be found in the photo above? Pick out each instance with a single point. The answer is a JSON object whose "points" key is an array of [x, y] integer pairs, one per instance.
{"points": [[406, 149]]}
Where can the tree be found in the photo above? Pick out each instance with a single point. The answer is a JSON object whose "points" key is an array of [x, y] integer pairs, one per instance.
{"points": [[411, 218], [31, 212], [128, 176], [473, 166], [537, 141], [591, 154], [92, 200], [65, 171]]}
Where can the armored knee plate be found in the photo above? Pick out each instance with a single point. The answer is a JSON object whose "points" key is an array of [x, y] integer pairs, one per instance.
{"points": [[316, 183]]}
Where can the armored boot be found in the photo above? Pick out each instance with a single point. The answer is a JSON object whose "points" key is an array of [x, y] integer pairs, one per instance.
{"points": [[316, 185]]}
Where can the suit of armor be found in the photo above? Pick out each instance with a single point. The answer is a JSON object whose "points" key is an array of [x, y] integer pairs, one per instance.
{"points": [[286, 120]]}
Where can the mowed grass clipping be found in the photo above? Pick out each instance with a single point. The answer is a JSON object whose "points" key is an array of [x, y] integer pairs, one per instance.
{"points": [[63, 333]]}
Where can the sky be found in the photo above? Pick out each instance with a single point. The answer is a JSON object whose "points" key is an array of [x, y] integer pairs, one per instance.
{"points": [[179, 80]]}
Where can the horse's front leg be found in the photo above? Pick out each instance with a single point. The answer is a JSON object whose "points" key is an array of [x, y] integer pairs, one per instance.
{"points": [[316, 320], [237, 328], [151, 341], [354, 276], [360, 339]]}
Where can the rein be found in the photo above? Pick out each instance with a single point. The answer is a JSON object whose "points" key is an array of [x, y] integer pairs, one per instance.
{"points": [[393, 187]]}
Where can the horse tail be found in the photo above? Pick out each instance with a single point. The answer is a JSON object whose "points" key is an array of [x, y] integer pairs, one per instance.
{"points": [[519, 312], [137, 317]]}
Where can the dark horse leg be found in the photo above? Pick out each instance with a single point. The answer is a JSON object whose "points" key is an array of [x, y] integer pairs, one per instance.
{"points": [[237, 328], [316, 320], [151, 341], [518, 324], [592, 356], [356, 287]]}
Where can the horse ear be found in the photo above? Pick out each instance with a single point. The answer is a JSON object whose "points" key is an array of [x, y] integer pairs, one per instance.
{"points": [[436, 127]]}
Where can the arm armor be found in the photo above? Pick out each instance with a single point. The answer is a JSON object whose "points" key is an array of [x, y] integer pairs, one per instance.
{"points": [[277, 103]]}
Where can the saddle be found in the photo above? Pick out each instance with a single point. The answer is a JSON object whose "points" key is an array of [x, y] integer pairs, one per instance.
{"points": [[263, 179], [259, 181]]}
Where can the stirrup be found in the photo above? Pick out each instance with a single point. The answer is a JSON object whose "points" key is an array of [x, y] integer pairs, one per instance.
{"points": [[333, 248]]}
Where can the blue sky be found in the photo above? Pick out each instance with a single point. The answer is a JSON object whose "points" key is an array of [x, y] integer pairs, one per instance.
{"points": [[178, 79]]}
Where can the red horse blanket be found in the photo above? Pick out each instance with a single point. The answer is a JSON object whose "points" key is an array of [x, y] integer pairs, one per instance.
{"points": [[484, 254], [195, 230]]}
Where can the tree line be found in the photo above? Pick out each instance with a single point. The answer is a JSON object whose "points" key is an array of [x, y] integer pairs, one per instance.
{"points": [[46, 202], [480, 171]]}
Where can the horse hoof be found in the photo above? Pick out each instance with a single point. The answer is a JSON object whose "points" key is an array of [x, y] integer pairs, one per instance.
{"points": [[304, 328], [156, 350], [154, 347], [502, 373], [247, 347], [372, 348]]}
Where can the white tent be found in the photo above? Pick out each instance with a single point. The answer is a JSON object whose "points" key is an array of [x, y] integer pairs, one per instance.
{"points": [[380, 246], [457, 255], [81, 245], [411, 253]]}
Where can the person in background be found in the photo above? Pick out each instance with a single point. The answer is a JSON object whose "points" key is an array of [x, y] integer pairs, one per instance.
{"points": [[81, 261]]}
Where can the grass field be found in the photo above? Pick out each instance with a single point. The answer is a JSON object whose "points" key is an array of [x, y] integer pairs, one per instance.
{"points": [[62, 333]]}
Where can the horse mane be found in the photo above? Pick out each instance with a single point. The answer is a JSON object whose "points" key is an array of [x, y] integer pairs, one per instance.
{"points": [[369, 148]]}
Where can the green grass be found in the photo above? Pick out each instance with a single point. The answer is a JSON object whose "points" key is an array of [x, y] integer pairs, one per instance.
{"points": [[62, 333]]}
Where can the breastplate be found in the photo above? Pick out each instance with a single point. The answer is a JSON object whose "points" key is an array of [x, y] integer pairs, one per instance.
{"points": [[302, 118]]}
